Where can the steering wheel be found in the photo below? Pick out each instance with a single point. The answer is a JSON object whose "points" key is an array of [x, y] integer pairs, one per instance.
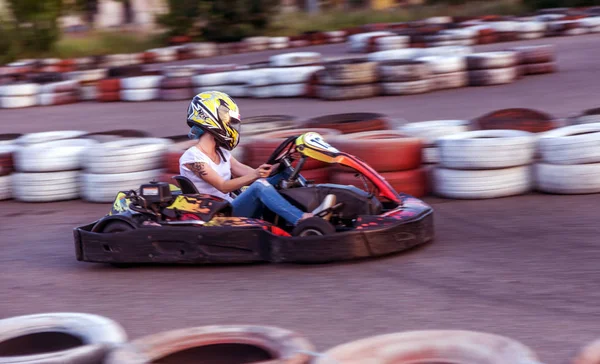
{"points": [[282, 154]]}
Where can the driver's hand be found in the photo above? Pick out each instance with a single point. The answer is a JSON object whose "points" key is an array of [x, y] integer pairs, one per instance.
{"points": [[263, 171]]}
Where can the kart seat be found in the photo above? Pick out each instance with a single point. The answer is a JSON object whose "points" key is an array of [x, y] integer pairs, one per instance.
{"points": [[186, 185]]}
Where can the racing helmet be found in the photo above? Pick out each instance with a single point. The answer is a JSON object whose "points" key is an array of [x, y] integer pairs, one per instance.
{"points": [[215, 112]]}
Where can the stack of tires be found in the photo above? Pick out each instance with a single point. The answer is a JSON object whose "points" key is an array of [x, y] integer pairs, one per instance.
{"points": [[7, 148], [48, 165], [492, 68], [18, 95], [453, 37], [430, 131], [351, 122], [260, 147], [484, 164], [592, 24], [359, 43], [447, 71], [347, 79], [570, 160], [59, 93], [140, 88], [288, 75], [163, 55], [232, 82], [537, 59], [531, 30], [393, 154], [404, 77], [257, 43], [176, 83], [203, 50], [388, 42], [88, 82], [120, 165], [109, 90]]}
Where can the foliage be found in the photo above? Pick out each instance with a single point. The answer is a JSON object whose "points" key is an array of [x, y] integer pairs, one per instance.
{"points": [[34, 24], [220, 21]]}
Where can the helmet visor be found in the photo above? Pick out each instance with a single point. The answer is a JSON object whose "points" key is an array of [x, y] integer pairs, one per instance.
{"points": [[229, 118]]}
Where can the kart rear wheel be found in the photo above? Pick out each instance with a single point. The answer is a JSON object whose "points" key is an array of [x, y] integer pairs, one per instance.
{"points": [[313, 226], [117, 226]]}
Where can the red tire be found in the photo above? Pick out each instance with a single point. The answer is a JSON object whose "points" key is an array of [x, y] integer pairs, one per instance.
{"points": [[383, 150], [171, 160], [109, 85], [350, 122], [412, 182], [6, 164], [109, 96]]}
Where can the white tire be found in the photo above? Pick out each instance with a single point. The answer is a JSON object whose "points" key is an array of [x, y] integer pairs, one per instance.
{"points": [[211, 79], [447, 51], [279, 42], [431, 155], [104, 187], [24, 89], [574, 144], [141, 82], [568, 179], [532, 27], [358, 42], [231, 90], [444, 81], [45, 187], [445, 64], [291, 75], [179, 71], [88, 75], [5, 188], [487, 60], [493, 76], [55, 87], [429, 131], [135, 95], [483, 184], [273, 91], [59, 155], [526, 36], [295, 59], [395, 54], [486, 149], [15, 102], [392, 42], [48, 136], [406, 88], [125, 156], [88, 93]]}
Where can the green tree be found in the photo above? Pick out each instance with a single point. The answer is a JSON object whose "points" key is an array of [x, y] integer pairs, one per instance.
{"points": [[223, 21], [35, 23]]}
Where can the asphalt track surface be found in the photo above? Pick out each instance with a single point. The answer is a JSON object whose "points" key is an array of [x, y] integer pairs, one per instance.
{"points": [[524, 267]]}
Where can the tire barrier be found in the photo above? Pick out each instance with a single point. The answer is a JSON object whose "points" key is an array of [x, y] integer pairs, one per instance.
{"points": [[380, 150], [76, 338], [431, 346], [490, 156], [297, 74], [347, 79], [492, 68], [570, 160], [121, 165], [210, 344], [484, 164], [429, 131]]}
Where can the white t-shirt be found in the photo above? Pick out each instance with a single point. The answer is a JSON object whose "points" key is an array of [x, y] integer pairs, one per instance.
{"points": [[193, 155]]}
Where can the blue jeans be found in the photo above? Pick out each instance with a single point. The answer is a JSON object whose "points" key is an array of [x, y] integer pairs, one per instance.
{"points": [[261, 193]]}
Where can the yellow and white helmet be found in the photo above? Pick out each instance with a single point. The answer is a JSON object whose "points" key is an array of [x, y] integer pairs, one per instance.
{"points": [[215, 112]]}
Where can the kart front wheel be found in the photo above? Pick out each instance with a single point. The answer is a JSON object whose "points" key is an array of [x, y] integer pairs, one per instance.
{"points": [[313, 226], [117, 226]]}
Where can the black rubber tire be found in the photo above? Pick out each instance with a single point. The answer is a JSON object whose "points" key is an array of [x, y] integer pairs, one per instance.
{"points": [[117, 226], [313, 226]]}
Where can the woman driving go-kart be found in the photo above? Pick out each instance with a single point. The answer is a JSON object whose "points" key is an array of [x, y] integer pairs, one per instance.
{"points": [[215, 121]]}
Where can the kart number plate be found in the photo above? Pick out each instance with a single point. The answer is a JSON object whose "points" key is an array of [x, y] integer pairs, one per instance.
{"points": [[150, 191], [316, 141]]}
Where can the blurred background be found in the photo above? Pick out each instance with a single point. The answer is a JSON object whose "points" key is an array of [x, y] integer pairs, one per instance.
{"points": [[75, 28]]}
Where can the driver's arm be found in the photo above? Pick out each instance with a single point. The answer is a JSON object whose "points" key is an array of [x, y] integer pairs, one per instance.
{"points": [[239, 169], [204, 171]]}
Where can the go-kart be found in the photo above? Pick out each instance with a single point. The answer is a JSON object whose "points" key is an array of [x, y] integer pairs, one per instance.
{"points": [[166, 223]]}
